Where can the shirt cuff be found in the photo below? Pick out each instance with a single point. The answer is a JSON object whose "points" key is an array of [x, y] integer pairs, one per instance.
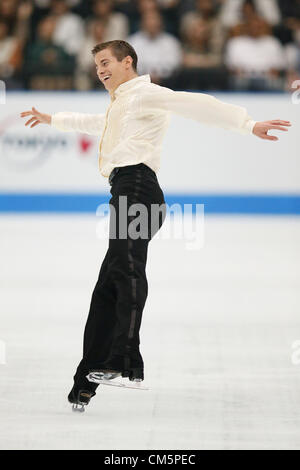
{"points": [[57, 121], [54, 120], [249, 125]]}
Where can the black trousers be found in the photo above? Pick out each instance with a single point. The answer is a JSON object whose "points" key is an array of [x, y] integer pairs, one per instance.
{"points": [[111, 337]]}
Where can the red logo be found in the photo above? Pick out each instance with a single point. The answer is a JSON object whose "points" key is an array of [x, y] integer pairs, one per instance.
{"points": [[84, 144]]}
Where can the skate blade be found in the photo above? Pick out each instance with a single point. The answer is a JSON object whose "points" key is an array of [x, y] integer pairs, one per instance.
{"points": [[98, 379], [78, 408]]}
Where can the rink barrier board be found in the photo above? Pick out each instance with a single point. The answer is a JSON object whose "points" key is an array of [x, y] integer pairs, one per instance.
{"points": [[277, 204]]}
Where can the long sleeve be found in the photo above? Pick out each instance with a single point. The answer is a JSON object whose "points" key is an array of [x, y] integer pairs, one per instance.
{"points": [[200, 107], [86, 123]]}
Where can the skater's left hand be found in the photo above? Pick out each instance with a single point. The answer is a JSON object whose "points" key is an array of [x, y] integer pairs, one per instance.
{"points": [[261, 128]]}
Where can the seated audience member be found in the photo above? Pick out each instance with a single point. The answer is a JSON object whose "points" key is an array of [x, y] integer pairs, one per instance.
{"points": [[86, 75], [15, 32], [202, 62], [69, 27], [47, 65], [17, 17], [116, 23], [236, 11], [198, 50], [206, 11], [142, 8], [256, 58], [10, 57], [8, 13], [159, 52]]}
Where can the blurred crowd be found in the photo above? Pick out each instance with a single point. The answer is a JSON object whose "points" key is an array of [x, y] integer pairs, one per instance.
{"points": [[183, 44]]}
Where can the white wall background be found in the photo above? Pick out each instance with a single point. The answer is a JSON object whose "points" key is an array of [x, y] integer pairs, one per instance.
{"points": [[195, 158]]}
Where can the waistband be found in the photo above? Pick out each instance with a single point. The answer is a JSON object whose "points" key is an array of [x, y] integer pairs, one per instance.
{"points": [[117, 169]]}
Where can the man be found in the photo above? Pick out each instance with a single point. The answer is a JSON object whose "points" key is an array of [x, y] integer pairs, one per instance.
{"points": [[256, 58], [162, 53], [132, 132]]}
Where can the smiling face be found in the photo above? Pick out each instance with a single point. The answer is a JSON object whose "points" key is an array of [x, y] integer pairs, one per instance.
{"points": [[112, 72]]}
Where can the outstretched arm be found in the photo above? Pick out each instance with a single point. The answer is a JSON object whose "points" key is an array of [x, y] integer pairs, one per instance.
{"points": [[67, 121], [208, 110]]}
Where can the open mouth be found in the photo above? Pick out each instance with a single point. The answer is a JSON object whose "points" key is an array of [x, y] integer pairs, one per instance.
{"points": [[106, 78]]}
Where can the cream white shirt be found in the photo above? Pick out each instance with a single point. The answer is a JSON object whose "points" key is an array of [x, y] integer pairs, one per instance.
{"points": [[137, 118]]}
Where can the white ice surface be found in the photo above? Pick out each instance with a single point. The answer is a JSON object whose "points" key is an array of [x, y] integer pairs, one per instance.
{"points": [[216, 337]]}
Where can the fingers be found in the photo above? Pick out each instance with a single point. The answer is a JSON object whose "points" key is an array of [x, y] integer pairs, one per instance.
{"points": [[26, 113], [280, 122], [280, 128], [270, 137], [29, 121], [34, 122], [33, 112]]}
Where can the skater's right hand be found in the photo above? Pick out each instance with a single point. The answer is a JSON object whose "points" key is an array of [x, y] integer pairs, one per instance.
{"points": [[38, 118]]}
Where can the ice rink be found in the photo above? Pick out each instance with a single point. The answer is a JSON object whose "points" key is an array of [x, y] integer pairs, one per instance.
{"points": [[217, 338]]}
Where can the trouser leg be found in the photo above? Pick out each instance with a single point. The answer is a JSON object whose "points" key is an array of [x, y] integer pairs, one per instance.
{"points": [[128, 258], [128, 269], [99, 327]]}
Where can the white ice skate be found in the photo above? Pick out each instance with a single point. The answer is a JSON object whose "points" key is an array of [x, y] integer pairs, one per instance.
{"points": [[78, 408], [108, 378], [79, 399]]}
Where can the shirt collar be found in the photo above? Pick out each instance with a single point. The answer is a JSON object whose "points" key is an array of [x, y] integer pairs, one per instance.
{"points": [[130, 84]]}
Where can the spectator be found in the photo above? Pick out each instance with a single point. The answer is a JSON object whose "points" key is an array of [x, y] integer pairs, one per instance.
{"points": [[47, 65], [206, 11], [256, 59], [15, 28], [17, 17], [69, 29], [80, 7], [197, 45], [8, 13], [147, 6], [86, 76], [142, 8], [116, 23], [159, 52], [202, 61], [10, 56], [233, 11]]}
